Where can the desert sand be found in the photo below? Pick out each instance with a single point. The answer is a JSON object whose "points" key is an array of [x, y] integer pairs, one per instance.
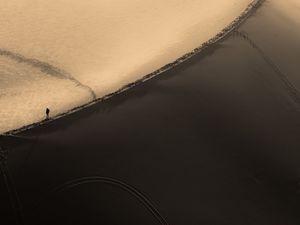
{"points": [[62, 54], [215, 140]]}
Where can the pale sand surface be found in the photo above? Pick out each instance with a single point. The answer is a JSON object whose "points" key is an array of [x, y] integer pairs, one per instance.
{"points": [[98, 46]]}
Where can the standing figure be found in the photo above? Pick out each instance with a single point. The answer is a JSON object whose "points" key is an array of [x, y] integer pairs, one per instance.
{"points": [[47, 113]]}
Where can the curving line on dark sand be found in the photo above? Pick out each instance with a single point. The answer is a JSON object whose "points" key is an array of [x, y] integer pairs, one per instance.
{"points": [[46, 68], [251, 8], [107, 180], [291, 89]]}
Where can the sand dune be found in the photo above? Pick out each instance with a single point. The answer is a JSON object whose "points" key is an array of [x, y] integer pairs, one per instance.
{"points": [[56, 53]]}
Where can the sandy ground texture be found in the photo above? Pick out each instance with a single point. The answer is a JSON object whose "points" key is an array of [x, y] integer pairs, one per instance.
{"points": [[215, 140], [62, 54]]}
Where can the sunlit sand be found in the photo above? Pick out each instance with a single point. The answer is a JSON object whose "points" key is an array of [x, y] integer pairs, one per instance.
{"points": [[63, 54]]}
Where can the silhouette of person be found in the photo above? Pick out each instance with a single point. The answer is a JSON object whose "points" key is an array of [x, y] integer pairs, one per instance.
{"points": [[47, 113]]}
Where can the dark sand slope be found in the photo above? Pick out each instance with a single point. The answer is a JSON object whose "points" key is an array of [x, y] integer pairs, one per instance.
{"points": [[213, 141]]}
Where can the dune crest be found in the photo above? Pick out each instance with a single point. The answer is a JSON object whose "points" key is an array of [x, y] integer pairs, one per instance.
{"points": [[93, 47]]}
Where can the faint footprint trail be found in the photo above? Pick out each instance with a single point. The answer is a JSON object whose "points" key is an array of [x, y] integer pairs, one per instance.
{"points": [[111, 181], [292, 90], [46, 68]]}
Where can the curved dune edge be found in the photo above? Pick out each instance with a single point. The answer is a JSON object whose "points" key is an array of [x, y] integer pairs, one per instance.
{"points": [[251, 8]]}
